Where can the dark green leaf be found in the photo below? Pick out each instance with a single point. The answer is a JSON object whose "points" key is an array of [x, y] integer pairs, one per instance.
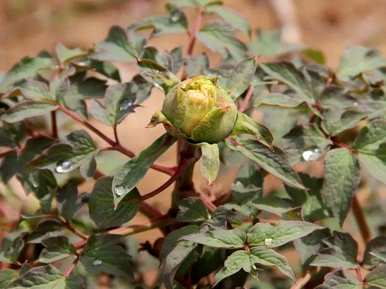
{"points": [[66, 55], [119, 46], [269, 43], [68, 202], [231, 18], [9, 166], [336, 280], [375, 251], [45, 230], [270, 160], [175, 22], [219, 238], [357, 60], [377, 277], [192, 210], [210, 161], [219, 38], [173, 253], [235, 262], [11, 246], [26, 110], [104, 254], [278, 234], [44, 277], [371, 136], [7, 276], [339, 251], [56, 248], [240, 77], [341, 181], [135, 169], [270, 258], [27, 68], [101, 205], [288, 74]]}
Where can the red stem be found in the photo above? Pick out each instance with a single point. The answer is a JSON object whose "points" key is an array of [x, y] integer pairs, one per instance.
{"points": [[114, 144], [244, 104], [361, 220], [193, 32], [54, 124], [116, 136], [169, 182]]}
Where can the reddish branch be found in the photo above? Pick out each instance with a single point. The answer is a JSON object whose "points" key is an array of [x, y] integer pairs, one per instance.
{"points": [[114, 144], [301, 282], [54, 124], [361, 220], [244, 104], [194, 30]]}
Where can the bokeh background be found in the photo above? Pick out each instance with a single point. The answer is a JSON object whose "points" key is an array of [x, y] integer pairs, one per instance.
{"points": [[29, 26]]}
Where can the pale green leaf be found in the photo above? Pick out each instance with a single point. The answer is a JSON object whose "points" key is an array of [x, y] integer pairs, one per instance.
{"points": [[210, 161]]}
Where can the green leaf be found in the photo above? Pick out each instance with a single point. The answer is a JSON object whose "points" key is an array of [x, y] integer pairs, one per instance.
{"points": [[357, 60], [135, 169], [247, 125], [35, 90], [291, 76], [45, 230], [26, 110], [375, 251], [7, 276], [269, 43], [337, 280], [103, 253], [219, 238], [192, 210], [240, 77], [235, 262], [175, 22], [11, 134], [210, 161], [341, 181], [278, 99], [219, 38], [44, 277], [279, 234], [9, 166], [173, 253], [270, 258], [248, 185], [11, 246], [375, 164], [66, 55], [101, 205], [27, 68], [339, 251], [56, 248], [335, 123], [231, 18], [119, 46], [270, 160], [67, 199], [377, 277], [371, 136]]}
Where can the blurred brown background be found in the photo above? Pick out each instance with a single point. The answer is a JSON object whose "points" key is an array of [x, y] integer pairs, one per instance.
{"points": [[28, 26]]}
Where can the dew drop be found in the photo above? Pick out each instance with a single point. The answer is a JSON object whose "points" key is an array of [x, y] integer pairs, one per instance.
{"points": [[120, 191], [174, 18], [97, 262], [268, 242], [311, 154], [64, 167], [126, 105]]}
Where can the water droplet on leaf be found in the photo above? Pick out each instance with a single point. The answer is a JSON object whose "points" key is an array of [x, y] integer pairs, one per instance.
{"points": [[64, 167], [268, 242], [120, 191], [311, 154], [126, 105], [97, 262]]}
